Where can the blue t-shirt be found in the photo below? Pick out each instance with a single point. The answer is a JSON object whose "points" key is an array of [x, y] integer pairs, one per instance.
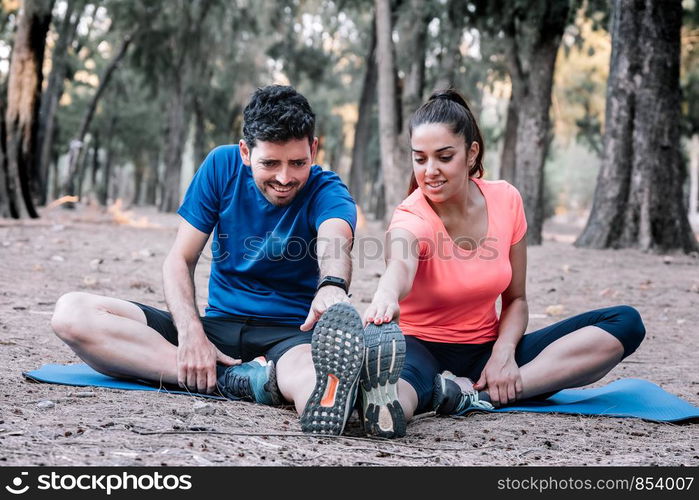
{"points": [[264, 263]]}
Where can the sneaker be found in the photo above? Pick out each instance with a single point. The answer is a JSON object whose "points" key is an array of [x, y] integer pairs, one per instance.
{"points": [[254, 381], [449, 399], [337, 347], [382, 414]]}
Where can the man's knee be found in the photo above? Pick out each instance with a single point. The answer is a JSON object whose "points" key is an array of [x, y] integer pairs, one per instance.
{"points": [[68, 320]]}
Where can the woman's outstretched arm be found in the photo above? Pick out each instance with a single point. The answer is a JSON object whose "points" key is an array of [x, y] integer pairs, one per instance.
{"points": [[401, 265]]}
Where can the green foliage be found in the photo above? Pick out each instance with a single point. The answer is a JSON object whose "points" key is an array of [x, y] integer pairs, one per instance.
{"points": [[220, 50]]}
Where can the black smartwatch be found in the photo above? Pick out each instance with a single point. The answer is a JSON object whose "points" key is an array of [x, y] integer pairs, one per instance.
{"points": [[332, 281]]}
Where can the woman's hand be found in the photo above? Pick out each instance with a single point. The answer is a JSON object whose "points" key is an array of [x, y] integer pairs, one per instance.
{"points": [[383, 308], [501, 379]]}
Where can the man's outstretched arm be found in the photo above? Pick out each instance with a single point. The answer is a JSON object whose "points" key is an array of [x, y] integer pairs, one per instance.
{"points": [[196, 355], [334, 250]]}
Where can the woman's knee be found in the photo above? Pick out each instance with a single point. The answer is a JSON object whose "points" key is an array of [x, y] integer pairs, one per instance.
{"points": [[68, 320], [634, 331]]}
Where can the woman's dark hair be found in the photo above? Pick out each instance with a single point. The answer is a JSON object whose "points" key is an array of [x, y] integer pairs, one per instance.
{"points": [[451, 109], [277, 113]]}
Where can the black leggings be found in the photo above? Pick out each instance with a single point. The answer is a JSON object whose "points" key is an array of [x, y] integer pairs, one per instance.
{"points": [[425, 359]]}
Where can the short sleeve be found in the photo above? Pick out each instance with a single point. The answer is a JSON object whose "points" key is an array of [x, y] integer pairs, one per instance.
{"points": [[333, 201], [200, 206], [403, 218], [519, 227]]}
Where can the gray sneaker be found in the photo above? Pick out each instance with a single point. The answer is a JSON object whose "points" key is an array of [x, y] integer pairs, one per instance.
{"points": [[337, 347], [382, 414]]}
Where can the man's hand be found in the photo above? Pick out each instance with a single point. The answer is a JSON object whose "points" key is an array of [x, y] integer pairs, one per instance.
{"points": [[196, 362], [325, 297], [501, 379]]}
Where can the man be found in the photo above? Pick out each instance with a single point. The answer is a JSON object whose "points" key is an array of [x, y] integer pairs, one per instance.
{"points": [[283, 230]]}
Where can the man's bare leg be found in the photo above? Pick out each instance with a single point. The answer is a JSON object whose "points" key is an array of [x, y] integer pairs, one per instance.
{"points": [[296, 376], [111, 335]]}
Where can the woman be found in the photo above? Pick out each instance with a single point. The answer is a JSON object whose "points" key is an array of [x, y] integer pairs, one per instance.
{"points": [[455, 245]]}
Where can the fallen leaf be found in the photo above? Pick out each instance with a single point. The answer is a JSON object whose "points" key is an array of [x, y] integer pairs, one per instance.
{"points": [[89, 281], [555, 310], [646, 285]]}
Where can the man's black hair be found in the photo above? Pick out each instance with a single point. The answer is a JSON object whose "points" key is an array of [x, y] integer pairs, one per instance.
{"points": [[277, 113]]}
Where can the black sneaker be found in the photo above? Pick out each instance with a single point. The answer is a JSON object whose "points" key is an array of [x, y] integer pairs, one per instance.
{"points": [[449, 399], [337, 347], [382, 414]]}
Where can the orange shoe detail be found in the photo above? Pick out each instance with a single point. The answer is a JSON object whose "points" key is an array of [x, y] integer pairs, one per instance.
{"points": [[330, 391]]}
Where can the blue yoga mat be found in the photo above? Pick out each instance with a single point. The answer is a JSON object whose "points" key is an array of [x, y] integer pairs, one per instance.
{"points": [[622, 398], [82, 375], [630, 397]]}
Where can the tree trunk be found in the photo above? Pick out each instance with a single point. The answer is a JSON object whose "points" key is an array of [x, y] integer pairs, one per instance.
{"points": [[508, 160], [151, 178], [55, 178], [411, 97], [414, 45], [140, 167], [694, 178], [362, 131], [378, 193], [76, 144], [51, 96], [95, 163], [450, 57], [176, 135], [6, 208], [200, 149], [638, 200], [108, 158], [82, 171], [532, 59], [393, 175], [23, 96]]}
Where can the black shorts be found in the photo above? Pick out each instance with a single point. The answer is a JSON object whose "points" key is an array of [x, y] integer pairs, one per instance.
{"points": [[238, 337]]}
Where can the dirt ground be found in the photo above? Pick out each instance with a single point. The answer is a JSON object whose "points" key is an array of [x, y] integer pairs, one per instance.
{"points": [[89, 250]]}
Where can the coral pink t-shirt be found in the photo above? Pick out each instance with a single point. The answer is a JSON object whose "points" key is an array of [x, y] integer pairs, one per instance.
{"points": [[453, 296]]}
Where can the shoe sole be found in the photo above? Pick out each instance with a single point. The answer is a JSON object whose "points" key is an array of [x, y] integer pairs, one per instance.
{"points": [[383, 414], [337, 349]]}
